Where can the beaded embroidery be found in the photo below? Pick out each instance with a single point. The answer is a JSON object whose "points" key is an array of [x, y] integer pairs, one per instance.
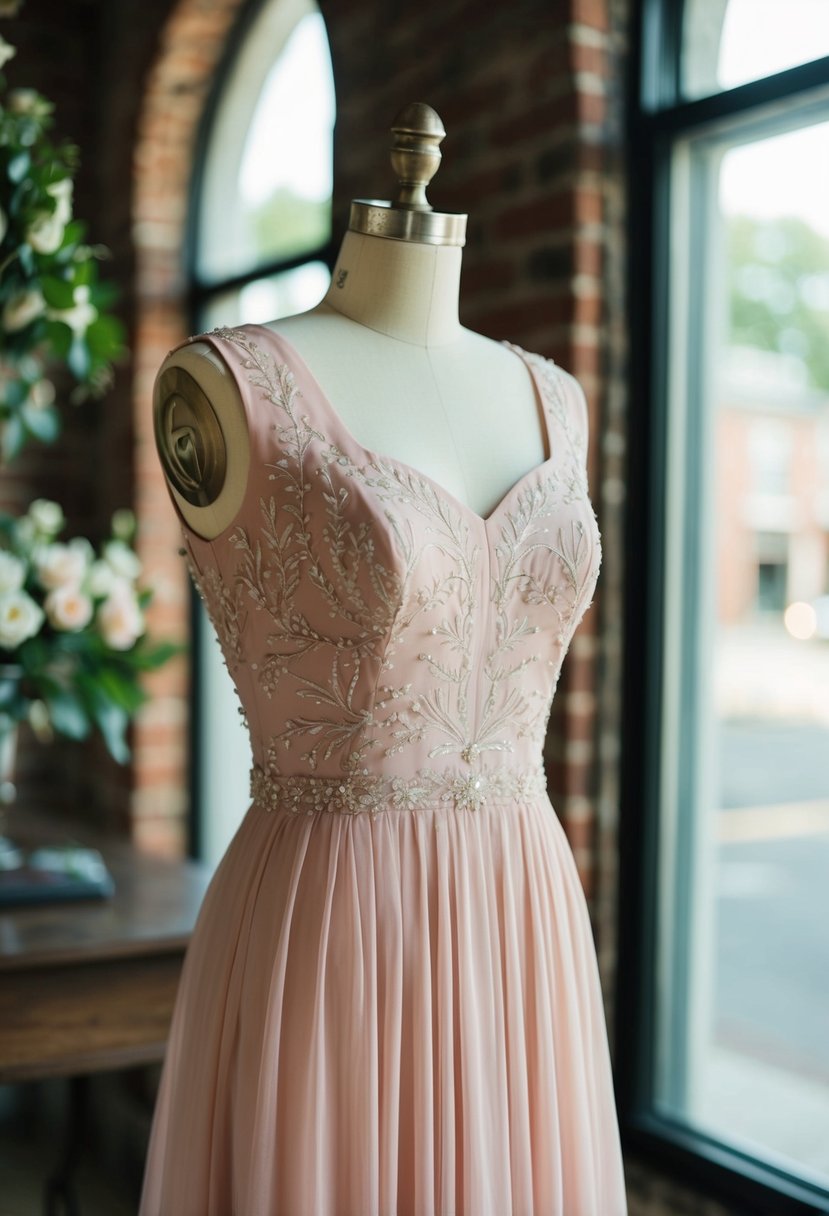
{"points": [[370, 793], [351, 588]]}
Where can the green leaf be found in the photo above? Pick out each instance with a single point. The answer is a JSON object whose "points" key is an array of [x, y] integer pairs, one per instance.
{"points": [[112, 721], [79, 361], [14, 437], [105, 338], [121, 688], [68, 714], [26, 257], [43, 423], [60, 338], [9, 693], [149, 657], [16, 393], [19, 166], [75, 232], [84, 273], [58, 293], [103, 295]]}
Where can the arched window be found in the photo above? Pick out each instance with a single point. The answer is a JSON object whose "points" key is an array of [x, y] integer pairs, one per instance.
{"points": [[260, 249], [724, 996]]}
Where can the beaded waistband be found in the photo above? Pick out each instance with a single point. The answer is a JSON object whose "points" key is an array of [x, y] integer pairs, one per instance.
{"points": [[370, 793]]}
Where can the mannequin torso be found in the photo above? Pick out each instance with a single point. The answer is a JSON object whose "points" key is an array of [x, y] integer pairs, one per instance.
{"points": [[403, 376]]}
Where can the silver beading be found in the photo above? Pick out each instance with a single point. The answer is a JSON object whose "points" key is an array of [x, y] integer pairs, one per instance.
{"points": [[371, 793]]}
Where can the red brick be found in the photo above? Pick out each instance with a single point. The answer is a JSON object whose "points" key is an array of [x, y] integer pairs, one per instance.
{"points": [[580, 834], [543, 119], [590, 12]]}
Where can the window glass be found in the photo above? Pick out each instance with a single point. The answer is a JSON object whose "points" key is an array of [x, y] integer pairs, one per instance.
{"points": [[266, 191], [264, 300], [729, 42], [743, 998]]}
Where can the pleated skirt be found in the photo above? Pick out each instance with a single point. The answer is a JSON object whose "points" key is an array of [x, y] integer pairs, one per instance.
{"points": [[397, 1015]]}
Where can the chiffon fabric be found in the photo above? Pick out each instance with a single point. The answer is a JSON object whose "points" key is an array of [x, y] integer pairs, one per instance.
{"points": [[390, 1004]]}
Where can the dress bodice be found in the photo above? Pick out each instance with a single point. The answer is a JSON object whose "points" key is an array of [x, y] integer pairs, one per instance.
{"points": [[376, 628]]}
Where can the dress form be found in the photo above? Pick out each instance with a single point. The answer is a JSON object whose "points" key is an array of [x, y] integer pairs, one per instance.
{"points": [[387, 348]]}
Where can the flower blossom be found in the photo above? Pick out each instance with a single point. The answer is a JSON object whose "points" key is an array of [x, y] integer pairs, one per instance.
{"points": [[124, 562], [22, 308], [45, 233], [41, 395], [7, 51], [68, 608], [120, 620], [61, 565], [12, 572], [80, 316], [47, 516], [20, 618], [28, 102]]}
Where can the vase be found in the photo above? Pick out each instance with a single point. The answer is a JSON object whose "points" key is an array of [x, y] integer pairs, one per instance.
{"points": [[8, 761], [10, 676]]}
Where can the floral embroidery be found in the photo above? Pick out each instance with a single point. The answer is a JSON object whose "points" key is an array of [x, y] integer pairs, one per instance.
{"points": [[224, 606], [357, 600]]}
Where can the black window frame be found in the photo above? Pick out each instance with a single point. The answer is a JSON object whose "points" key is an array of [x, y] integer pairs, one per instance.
{"points": [[656, 115]]}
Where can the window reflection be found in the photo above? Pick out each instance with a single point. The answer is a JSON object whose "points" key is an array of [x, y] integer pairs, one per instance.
{"points": [[745, 956], [268, 170], [729, 42]]}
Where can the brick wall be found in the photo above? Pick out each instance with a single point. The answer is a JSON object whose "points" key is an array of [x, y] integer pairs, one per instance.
{"points": [[57, 47], [522, 94], [532, 96]]}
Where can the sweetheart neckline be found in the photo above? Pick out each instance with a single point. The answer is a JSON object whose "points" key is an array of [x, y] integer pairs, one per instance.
{"points": [[482, 521]]}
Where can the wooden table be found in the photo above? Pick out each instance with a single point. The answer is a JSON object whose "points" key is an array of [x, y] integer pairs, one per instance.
{"points": [[89, 985]]}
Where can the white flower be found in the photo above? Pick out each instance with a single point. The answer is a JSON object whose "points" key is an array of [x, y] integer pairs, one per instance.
{"points": [[102, 580], [68, 608], [12, 572], [25, 532], [81, 545], [27, 101], [40, 721], [41, 394], [45, 232], [80, 316], [20, 618], [120, 620], [47, 516], [60, 566], [61, 192], [22, 308], [7, 52], [124, 562]]}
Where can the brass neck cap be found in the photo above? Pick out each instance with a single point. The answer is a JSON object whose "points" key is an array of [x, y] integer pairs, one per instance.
{"points": [[417, 132]]}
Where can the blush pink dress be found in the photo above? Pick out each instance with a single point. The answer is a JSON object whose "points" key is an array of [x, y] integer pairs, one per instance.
{"points": [[390, 1004]]}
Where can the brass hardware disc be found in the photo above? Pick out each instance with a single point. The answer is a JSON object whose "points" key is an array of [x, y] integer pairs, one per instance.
{"points": [[189, 439]]}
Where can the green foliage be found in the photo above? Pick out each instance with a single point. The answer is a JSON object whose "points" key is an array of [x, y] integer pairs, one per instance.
{"points": [[53, 305], [286, 224], [779, 290], [73, 646]]}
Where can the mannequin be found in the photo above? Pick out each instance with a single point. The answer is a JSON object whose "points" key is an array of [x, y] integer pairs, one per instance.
{"points": [[391, 1001], [406, 379]]}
